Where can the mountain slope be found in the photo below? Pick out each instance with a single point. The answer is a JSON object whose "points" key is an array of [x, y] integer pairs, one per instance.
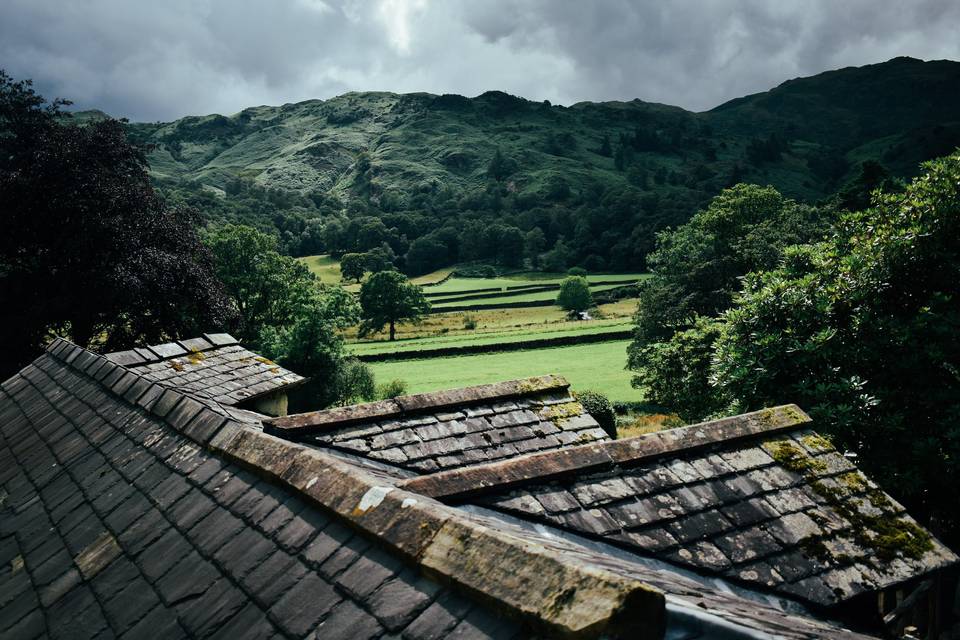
{"points": [[373, 154]]}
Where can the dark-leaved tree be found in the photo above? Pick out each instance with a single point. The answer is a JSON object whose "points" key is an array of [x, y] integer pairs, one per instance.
{"points": [[89, 250]]}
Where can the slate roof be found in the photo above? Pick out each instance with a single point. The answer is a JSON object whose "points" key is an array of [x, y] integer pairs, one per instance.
{"points": [[129, 508], [452, 429], [214, 367], [760, 499]]}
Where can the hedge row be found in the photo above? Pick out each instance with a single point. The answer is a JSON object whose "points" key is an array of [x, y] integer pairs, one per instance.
{"points": [[497, 305], [440, 281], [440, 294], [521, 345], [479, 294]]}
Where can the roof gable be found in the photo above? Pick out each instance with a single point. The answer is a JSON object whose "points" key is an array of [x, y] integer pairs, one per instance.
{"points": [[450, 429], [214, 367]]}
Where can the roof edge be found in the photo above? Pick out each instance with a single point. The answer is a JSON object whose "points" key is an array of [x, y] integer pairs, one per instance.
{"points": [[157, 352], [297, 426], [496, 476]]}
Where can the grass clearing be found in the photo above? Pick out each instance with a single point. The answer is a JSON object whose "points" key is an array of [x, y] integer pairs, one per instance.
{"points": [[596, 366], [326, 268], [429, 279]]}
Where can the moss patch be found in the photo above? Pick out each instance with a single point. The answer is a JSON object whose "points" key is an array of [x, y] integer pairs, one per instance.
{"points": [[560, 413], [879, 528], [816, 442]]}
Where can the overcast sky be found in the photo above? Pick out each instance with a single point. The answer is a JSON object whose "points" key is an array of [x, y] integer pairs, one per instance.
{"points": [[162, 59]]}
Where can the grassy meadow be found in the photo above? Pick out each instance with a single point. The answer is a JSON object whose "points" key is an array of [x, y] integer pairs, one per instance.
{"points": [[597, 367]]}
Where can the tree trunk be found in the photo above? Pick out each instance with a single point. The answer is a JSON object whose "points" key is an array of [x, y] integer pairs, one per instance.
{"points": [[393, 331]]}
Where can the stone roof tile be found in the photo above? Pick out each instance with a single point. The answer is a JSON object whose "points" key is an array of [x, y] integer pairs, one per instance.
{"points": [[211, 368]]}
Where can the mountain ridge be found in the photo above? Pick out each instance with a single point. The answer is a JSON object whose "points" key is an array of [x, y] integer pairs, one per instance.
{"points": [[370, 154]]}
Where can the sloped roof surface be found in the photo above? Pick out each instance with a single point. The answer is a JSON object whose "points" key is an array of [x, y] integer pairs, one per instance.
{"points": [[760, 499], [431, 432], [132, 509], [214, 367], [116, 524]]}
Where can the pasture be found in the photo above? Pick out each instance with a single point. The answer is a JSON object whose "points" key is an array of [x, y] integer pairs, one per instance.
{"points": [[597, 367]]}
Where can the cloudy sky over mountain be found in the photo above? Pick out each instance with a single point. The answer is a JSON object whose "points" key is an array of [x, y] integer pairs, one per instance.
{"points": [[150, 60]]}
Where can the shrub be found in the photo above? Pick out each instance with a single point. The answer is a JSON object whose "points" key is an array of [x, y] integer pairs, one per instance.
{"points": [[469, 322], [391, 389], [598, 406], [355, 383], [577, 271]]}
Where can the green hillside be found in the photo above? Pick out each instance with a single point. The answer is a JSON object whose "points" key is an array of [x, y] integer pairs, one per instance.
{"points": [[471, 178]]}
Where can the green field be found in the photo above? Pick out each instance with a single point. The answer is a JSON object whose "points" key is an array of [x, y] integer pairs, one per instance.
{"points": [[508, 298], [598, 367], [493, 337], [456, 285]]}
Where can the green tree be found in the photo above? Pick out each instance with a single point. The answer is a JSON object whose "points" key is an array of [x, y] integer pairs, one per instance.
{"points": [[500, 166], [575, 294], [284, 311], [534, 243], [387, 298], [855, 195], [309, 343], [676, 372], [89, 250], [380, 258], [355, 383], [863, 331], [511, 244], [353, 266], [696, 268], [557, 258], [267, 288]]}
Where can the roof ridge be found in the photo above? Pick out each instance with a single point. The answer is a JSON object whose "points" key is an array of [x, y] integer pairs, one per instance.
{"points": [[545, 465], [165, 350], [563, 596], [297, 426]]}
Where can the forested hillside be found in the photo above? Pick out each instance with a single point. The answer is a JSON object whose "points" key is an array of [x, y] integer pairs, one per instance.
{"points": [[434, 180]]}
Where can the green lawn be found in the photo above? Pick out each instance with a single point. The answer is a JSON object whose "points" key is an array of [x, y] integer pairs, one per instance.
{"points": [[597, 366], [490, 337]]}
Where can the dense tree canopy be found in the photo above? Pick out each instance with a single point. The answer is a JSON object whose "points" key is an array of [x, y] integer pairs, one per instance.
{"points": [[697, 267], [89, 250], [388, 297], [286, 314]]}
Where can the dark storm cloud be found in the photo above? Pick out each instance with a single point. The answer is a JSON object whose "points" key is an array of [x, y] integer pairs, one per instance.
{"points": [[161, 60]]}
